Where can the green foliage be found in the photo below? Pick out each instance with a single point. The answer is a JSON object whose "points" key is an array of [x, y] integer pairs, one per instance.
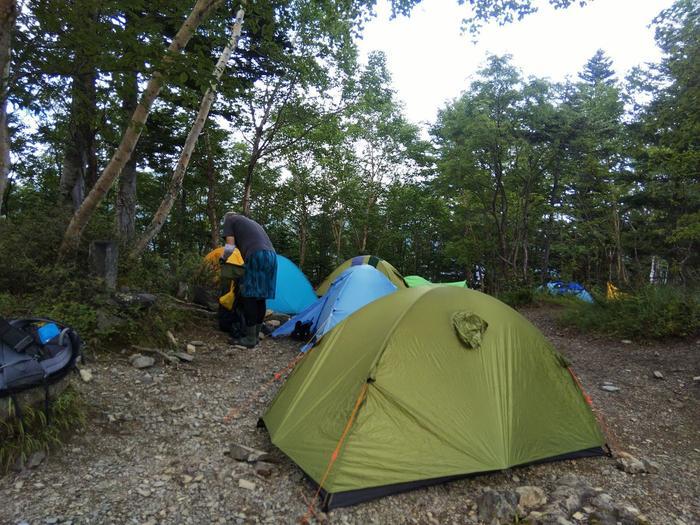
{"points": [[21, 438], [654, 312], [516, 297]]}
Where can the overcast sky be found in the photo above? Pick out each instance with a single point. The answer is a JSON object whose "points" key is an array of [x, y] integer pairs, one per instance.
{"points": [[432, 62]]}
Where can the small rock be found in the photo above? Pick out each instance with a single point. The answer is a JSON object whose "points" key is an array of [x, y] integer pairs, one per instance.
{"points": [[658, 374], [182, 356], [628, 463], [51, 521], [240, 347], [245, 484], [264, 469], [651, 466], [171, 338], [86, 375], [610, 388], [248, 454], [602, 517], [187, 479], [178, 408], [696, 378], [191, 349], [273, 323], [198, 343], [578, 516], [142, 361], [142, 491], [238, 452], [626, 342], [498, 506], [36, 459], [530, 497]]}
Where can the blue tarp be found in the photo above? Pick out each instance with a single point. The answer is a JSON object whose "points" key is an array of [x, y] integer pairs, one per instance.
{"points": [[294, 292], [353, 289], [571, 288]]}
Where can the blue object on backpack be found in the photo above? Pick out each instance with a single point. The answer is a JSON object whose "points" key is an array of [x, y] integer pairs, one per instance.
{"points": [[47, 332]]}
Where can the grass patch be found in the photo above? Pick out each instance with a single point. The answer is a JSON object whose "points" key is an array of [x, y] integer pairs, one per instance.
{"points": [[20, 439], [653, 312]]}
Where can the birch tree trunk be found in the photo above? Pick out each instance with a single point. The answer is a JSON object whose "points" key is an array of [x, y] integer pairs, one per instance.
{"points": [[71, 238], [8, 16], [179, 173]]}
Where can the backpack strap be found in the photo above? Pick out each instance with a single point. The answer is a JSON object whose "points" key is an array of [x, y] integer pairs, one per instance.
{"points": [[19, 340]]}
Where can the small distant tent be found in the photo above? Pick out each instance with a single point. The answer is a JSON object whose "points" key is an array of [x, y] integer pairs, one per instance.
{"points": [[414, 281], [573, 289], [380, 264], [354, 288], [427, 385], [294, 292]]}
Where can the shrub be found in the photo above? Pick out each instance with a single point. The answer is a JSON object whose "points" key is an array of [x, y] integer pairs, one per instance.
{"points": [[19, 439], [517, 297], [654, 312]]}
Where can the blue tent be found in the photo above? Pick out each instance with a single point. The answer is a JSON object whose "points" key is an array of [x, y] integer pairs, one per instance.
{"points": [[293, 292], [571, 288], [353, 289]]}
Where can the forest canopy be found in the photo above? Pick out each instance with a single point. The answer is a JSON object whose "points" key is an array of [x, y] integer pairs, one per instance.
{"points": [[518, 181]]}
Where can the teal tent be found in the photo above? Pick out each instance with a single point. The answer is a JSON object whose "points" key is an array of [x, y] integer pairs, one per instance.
{"points": [[294, 292]]}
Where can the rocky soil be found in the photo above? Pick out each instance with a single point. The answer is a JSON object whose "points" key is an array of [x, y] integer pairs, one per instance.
{"points": [[157, 448]]}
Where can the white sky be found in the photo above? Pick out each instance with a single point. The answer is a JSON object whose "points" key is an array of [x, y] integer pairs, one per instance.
{"points": [[432, 62]]}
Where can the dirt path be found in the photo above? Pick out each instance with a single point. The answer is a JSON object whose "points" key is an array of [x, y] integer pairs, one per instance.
{"points": [[155, 448]]}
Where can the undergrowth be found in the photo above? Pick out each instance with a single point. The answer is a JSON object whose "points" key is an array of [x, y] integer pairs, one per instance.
{"points": [[653, 312], [20, 438], [34, 284]]}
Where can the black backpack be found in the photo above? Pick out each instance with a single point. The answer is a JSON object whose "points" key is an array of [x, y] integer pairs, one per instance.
{"points": [[31, 357]]}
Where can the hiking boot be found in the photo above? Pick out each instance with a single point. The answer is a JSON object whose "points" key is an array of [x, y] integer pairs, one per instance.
{"points": [[250, 339]]}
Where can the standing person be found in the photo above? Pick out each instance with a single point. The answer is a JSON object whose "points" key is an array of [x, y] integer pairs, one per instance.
{"points": [[260, 277]]}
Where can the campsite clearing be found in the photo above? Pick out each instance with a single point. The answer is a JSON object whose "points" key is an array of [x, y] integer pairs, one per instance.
{"points": [[156, 448]]}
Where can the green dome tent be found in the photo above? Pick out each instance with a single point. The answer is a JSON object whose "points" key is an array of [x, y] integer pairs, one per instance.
{"points": [[380, 264], [414, 281], [426, 385]]}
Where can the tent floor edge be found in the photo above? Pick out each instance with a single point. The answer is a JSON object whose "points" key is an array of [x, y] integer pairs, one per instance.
{"points": [[334, 500]]}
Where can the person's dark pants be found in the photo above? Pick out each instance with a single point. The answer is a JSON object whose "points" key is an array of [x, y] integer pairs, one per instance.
{"points": [[253, 310]]}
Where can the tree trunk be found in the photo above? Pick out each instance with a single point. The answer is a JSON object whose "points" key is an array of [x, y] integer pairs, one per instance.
{"points": [[80, 143], [303, 227], [211, 195], [248, 186], [71, 238], [621, 270], [179, 173], [126, 194], [553, 195], [8, 16]]}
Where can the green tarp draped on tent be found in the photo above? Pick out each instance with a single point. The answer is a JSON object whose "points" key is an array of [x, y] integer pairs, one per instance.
{"points": [[414, 281], [435, 407]]}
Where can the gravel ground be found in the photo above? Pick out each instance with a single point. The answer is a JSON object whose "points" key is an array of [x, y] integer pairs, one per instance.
{"points": [[155, 448]]}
